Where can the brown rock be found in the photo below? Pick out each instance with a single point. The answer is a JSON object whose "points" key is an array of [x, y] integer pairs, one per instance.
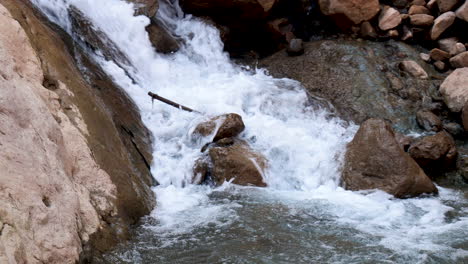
{"points": [[455, 89], [439, 55], [414, 69], [441, 23], [237, 162], [375, 160], [421, 20], [404, 141], [418, 2], [425, 57], [446, 5], [161, 39], [454, 129], [428, 120], [407, 33], [393, 33], [223, 126], [367, 30], [460, 61], [431, 4], [416, 9], [462, 12], [434, 153], [465, 117], [145, 7], [389, 18], [356, 11], [440, 65], [457, 49], [447, 43]]}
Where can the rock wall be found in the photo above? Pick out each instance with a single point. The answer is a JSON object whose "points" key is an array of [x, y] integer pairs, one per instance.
{"points": [[74, 165]]}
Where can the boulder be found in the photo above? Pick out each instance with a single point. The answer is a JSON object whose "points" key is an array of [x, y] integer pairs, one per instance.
{"points": [[389, 18], [465, 116], [418, 2], [460, 60], [355, 11], [447, 44], [375, 160], [457, 49], [417, 9], [161, 39], [428, 120], [404, 141], [446, 5], [435, 154], [414, 69], [462, 12], [222, 126], [232, 159], [431, 5], [421, 20], [455, 89], [441, 23], [439, 55], [145, 7]]}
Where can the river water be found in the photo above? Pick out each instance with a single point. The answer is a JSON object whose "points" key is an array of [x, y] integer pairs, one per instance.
{"points": [[303, 216]]}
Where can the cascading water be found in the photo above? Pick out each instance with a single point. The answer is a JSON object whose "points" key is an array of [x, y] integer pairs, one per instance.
{"points": [[303, 215]]}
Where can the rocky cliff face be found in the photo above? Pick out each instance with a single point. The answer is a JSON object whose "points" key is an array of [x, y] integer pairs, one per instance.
{"points": [[74, 165]]}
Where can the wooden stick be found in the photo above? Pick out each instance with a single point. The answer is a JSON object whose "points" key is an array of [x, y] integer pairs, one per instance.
{"points": [[171, 103]]}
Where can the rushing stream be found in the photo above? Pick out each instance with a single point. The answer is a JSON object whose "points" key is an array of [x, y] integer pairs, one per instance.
{"points": [[303, 216]]}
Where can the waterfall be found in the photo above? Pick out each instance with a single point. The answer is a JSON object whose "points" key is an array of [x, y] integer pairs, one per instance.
{"points": [[304, 145]]}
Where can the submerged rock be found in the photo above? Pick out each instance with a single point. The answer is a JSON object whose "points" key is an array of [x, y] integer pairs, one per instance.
{"points": [[223, 126], [375, 160], [428, 120]]}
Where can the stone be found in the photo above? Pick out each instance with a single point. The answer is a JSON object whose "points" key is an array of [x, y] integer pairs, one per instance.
{"points": [[367, 30], [375, 160], [421, 20], [222, 126], [454, 129], [441, 23], [446, 5], [161, 39], [404, 141], [454, 89], [356, 11], [145, 7], [428, 120], [435, 154], [407, 33], [295, 47], [425, 57], [417, 9], [465, 117], [439, 55], [414, 69], [236, 161], [431, 4], [447, 44], [389, 18], [393, 33], [457, 49], [460, 60], [418, 2], [440, 65], [462, 12]]}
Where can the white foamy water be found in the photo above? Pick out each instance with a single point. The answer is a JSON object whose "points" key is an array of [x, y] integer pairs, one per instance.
{"points": [[304, 146]]}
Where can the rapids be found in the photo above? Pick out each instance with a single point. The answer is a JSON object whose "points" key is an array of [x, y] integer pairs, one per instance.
{"points": [[303, 216]]}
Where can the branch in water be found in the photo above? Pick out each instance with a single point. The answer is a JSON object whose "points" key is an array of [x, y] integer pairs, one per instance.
{"points": [[171, 103]]}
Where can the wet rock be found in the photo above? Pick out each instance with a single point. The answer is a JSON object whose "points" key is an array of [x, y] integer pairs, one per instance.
{"points": [[465, 116], [440, 66], [367, 30], [462, 12], [407, 34], [389, 18], [161, 39], [414, 69], [460, 61], [435, 154], [428, 120], [455, 89], [446, 5], [404, 141], [355, 11], [417, 9], [439, 55], [441, 23], [425, 57], [454, 129], [236, 161], [295, 47], [457, 49], [447, 43], [375, 160], [223, 126], [145, 7], [421, 20]]}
